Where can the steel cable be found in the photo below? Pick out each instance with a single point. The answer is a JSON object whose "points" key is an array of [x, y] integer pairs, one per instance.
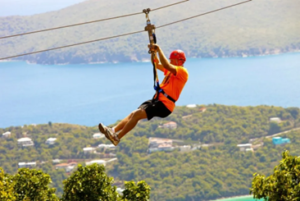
{"points": [[89, 22], [126, 33], [203, 14]]}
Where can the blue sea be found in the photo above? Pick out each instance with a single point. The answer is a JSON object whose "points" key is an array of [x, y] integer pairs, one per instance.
{"points": [[87, 94]]}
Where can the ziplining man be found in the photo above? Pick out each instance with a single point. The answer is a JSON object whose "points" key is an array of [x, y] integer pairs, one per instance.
{"points": [[160, 106]]}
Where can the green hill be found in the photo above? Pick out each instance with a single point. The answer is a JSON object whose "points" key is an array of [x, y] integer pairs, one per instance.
{"points": [[215, 169], [255, 28]]}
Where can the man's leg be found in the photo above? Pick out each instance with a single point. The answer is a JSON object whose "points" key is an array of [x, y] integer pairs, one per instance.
{"points": [[130, 122], [122, 123]]}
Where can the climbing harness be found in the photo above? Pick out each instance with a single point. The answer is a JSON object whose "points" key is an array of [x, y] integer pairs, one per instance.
{"points": [[150, 28]]}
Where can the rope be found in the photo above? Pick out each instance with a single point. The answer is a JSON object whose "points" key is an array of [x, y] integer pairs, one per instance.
{"points": [[123, 34], [89, 22], [72, 25], [71, 45], [202, 14], [169, 5]]}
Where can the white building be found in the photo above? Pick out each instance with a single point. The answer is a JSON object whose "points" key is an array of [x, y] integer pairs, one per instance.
{"points": [[191, 106], [98, 136], [26, 165], [51, 141], [170, 125], [275, 119], [55, 161], [89, 150], [25, 142], [185, 148], [99, 162], [106, 146], [68, 167], [6, 134], [155, 142], [245, 147]]}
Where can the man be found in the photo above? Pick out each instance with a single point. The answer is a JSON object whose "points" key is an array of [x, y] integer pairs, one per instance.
{"points": [[162, 106]]}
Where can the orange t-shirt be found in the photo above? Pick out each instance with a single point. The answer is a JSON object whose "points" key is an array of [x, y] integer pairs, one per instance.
{"points": [[173, 85]]}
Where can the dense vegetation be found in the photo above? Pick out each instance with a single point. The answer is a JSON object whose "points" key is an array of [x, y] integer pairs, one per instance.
{"points": [[86, 183], [283, 184], [211, 172], [249, 29]]}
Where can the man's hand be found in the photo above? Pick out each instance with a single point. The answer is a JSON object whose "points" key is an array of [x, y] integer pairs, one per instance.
{"points": [[153, 47]]}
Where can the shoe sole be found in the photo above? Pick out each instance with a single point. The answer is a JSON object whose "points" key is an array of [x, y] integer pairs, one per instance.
{"points": [[102, 130]]}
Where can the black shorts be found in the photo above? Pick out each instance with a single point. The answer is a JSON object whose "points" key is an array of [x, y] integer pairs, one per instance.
{"points": [[155, 108]]}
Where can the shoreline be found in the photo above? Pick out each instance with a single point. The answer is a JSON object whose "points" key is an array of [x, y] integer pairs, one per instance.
{"points": [[244, 56], [229, 198]]}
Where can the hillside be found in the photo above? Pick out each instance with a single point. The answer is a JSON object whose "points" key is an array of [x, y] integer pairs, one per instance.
{"points": [[255, 28], [214, 168]]}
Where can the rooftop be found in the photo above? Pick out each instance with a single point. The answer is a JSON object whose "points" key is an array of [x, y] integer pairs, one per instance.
{"points": [[25, 139]]}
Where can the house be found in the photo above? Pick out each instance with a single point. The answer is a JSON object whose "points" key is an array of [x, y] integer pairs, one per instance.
{"points": [[27, 165], [245, 147], [68, 167], [106, 146], [202, 109], [6, 134], [185, 148], [275, 119], [280, 140], [55, 161], [98, 136], [155, 142], [165, 147], [50, 141], [61, 166], [191, 106], [25, 142], [160, 144], [170, 125], [89, 150], [99, 162]]}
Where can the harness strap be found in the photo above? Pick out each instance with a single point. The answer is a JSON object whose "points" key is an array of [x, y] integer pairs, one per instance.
{"points": [[156, 82]]}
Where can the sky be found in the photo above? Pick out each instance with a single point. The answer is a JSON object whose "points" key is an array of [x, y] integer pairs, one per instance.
{"points": [[31, 7]]}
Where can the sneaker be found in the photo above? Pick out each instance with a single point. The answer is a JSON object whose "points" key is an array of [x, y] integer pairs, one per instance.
{"points": [[109, 134]]}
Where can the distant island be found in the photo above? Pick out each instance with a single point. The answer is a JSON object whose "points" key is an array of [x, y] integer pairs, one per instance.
{"points": [[248, 30]]}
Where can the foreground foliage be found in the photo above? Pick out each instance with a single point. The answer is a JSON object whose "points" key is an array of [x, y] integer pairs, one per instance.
{"points": [[283, 184], [89, 183], [86, 183]]}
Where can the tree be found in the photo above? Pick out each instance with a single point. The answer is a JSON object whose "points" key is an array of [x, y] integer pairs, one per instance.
{"points": [[89, 183], [283, 184], [139, 192], [33, 185], [6, 187]]}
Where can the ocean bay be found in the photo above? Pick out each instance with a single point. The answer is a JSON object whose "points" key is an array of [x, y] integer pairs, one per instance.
{"points": [[87, 94]]}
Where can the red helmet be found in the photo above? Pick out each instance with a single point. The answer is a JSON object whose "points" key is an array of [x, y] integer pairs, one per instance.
{"points": [[178, 54]]}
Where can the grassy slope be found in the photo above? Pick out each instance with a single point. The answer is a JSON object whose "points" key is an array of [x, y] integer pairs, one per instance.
{"points": [[258, 27]]}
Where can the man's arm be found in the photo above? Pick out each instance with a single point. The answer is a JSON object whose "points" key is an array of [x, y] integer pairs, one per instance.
{"points": [[158, 65], [164, 61]]}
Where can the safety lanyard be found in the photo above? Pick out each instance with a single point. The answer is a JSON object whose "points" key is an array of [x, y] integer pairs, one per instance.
{"points": [[152, 39]]}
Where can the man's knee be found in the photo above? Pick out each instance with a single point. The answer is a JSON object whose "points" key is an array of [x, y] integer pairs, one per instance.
{"points": [[139, 114]]}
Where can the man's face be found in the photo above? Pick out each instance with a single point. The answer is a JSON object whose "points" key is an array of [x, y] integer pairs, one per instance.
{"points": [[176, 62]]}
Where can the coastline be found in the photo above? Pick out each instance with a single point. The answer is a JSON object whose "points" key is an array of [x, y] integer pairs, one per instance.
{"points": [[242, 197], [144, 60]]}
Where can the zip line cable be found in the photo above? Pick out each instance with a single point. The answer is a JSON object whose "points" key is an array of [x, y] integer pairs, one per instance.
{"points": [[213, 11], [126, 34], [89, 22], [111, 37]]}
